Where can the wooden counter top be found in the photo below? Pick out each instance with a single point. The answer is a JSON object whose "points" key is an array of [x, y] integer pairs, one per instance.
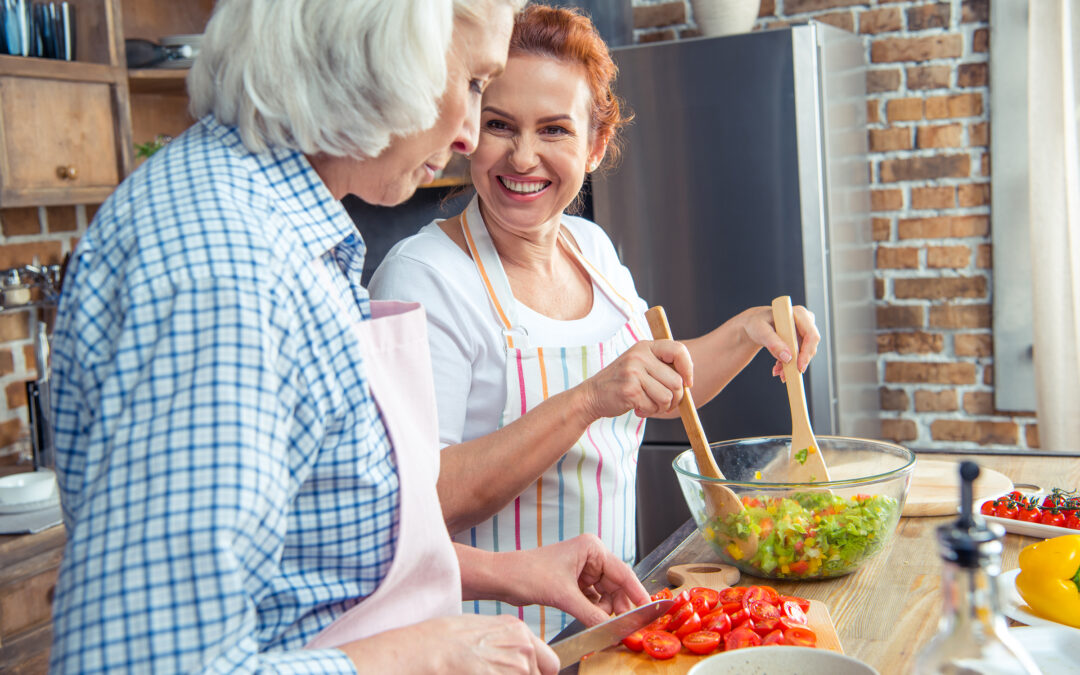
{"points": [[888, 610]]}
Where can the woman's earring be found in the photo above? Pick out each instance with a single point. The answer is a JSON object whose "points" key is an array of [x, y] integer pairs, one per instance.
{"points": [[591, 167]]}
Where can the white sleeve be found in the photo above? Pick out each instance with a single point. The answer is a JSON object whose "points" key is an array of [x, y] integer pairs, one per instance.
{"points": [[401, 277]]}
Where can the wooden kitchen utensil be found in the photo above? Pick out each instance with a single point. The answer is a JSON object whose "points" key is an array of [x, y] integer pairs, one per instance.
{"points": [[719, 499], [619, 659], [805, 462]]}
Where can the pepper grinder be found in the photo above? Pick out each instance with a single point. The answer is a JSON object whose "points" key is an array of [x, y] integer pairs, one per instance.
{"points": [[972, 635]]}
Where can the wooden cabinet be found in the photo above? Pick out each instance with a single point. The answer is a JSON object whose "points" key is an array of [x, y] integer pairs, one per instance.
{"points": [[65, 132]]}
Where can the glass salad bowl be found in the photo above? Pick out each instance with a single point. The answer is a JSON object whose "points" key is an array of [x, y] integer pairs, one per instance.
{"points": [[805, 530]]}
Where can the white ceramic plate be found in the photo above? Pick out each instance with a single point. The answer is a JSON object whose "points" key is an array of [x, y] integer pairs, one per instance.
{"points": [[1024, 527], [27, 507], [1016, 609], [785, 660], [1054, 648]]}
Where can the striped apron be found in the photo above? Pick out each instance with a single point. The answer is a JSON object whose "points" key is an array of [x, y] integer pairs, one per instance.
{"points": [[592, 487]]}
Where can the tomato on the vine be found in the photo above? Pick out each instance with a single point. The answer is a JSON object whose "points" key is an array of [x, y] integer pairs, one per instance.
{"points": [[988, 509], [1029, 515], [1051, 518]]}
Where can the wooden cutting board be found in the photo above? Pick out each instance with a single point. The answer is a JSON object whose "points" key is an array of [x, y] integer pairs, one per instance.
{"points": [[619, 659], [935, 488]]}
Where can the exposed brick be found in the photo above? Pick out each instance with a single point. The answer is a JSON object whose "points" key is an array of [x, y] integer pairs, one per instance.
{"points": [[935, 401], [880, 20], [881, 228], [16, 395], [886, 200], [973, 75], [842, 20], [924, 168], [657, 36], [928, 16], [917, 342], [7, 362], [899, 430], [979, 134], [893, 138], [894, 399], [879, 289], [979, 403], [42, 252], [941, 136], [983, 433], [956, 105], [873, 111], [904, 109], [767, 8], [882, 79], [61, 218], [939, 288], [928, 77], [960, 316], [943, 227], [921, 372], [973, 344], [951, 257], [686, 33], [1031, 435], [14, 326], [892, 50], [29, 358], [897, 258], [975, 11], [988, 375], [901, 316], [22, 221], [933, 197], [800, 6], [10, 431], [984, 257], [980, 41], [657, 16], [973, 194], [984, 165]]}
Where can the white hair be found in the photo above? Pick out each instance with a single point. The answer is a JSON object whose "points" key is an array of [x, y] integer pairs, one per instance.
{"points": [[335, 77]]}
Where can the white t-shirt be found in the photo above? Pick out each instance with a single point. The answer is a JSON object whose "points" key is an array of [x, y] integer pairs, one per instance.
{"points": [[468, 350]]}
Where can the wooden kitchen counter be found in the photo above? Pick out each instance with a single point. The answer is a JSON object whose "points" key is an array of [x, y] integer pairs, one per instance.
{"points": [[888, 610]]}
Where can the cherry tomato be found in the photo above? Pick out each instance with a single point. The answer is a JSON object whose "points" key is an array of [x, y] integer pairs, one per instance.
{"points": [[800, 636], [662, 594], [691, 625], [1051, 518], [708, 597], [773, 638], [803, 603], [762, 610], [766, 626], [739, 638], [661, 623], [701, 604], [739, 618], [799, 567], [987, 509], [660, 644], [1029, 515], [1048, 502], [678, 601], [794, 611], [702, 642], [679, 617], [717, 622], [763, 593], [1073, 521], [633, 640], [1015, 495], [731, 607], [732, 594], [1005, 510]]}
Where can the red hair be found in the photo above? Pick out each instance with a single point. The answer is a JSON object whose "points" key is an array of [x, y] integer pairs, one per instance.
{"points": [[569, 36]]}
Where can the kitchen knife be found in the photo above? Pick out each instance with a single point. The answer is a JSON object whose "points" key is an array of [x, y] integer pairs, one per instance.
{"points": [[608, 633]]}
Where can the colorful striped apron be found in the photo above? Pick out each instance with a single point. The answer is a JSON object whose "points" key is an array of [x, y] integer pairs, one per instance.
{"points": [[592, 487]]}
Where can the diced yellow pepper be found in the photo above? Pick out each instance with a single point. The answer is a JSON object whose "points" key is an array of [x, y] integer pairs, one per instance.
{"points": [[785, 569], [734, 551]]}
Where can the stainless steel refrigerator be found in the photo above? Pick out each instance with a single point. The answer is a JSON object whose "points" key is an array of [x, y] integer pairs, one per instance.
{"points": [[745, 177]]}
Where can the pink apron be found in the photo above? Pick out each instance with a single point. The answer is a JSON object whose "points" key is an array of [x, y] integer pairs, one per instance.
{"points": [[424, 581]]}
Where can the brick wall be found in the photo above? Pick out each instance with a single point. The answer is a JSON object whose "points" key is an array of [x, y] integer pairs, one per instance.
{"points": [[927, 97]]}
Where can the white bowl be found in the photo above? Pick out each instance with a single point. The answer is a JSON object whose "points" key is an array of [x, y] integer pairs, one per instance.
{"points": [[781, 660], [23, 488]]}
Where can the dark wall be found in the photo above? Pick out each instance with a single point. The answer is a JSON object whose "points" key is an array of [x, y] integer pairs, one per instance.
{"points": [[613, 18]]}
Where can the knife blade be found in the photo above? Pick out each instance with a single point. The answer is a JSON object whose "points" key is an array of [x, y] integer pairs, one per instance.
{"points": [[609, 632]]}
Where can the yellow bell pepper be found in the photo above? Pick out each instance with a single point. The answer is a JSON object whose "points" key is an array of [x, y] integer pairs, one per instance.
{"points": [[1049, 579]]}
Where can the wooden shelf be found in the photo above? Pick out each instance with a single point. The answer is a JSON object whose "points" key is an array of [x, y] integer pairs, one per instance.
{"points": [[55, 69], [157, 80]]}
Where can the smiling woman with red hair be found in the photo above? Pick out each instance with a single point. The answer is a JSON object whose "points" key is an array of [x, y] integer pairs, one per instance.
{"points": [[543, 370]]}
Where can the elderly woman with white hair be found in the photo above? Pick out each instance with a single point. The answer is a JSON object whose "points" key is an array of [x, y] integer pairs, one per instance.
{"points": [[246, 443]]}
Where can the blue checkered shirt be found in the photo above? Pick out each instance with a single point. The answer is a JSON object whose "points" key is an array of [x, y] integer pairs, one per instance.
{"points": [[228, 486]]}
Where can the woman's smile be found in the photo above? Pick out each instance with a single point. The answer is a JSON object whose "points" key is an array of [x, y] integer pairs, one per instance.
{"points": [[524, 189]]}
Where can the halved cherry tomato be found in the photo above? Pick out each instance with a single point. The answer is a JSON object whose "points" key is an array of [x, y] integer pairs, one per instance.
{"points": [[794, 611], [718, 622], [803, 603], [701, 604], [633, 640], [661, 623], [662, 594], [731, 607], [679, 617], [739, 638], [709, 597], [691, 625], [702, 642], [762, 610], [800, 636], [732, 594], [678, 600], [660, 644], [773, 638], [762, 593], [739, 618], [765, 626]]}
